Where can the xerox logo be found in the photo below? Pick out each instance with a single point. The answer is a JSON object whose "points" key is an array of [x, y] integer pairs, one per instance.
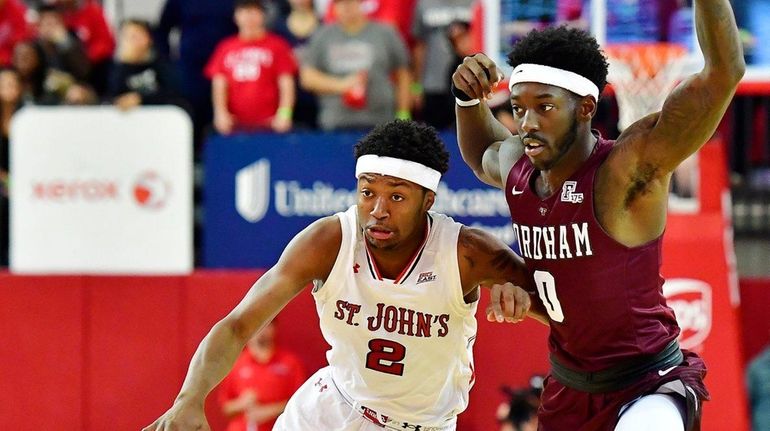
{"points": [[252, 190], [691, 301], [150, 190], [76, 190]]}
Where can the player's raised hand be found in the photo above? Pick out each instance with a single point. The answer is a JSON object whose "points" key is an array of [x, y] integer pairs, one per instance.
{"points": [[477, 76], [508, 303], [181, 417]]}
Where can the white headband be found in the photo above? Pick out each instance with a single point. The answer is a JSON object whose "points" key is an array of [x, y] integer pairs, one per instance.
{"points": [[404, 169], [565, 79]]}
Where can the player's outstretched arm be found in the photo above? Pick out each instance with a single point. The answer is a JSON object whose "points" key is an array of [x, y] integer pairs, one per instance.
{"points": [[309, 256], [693, 110], [478, 132], [485, 260]]}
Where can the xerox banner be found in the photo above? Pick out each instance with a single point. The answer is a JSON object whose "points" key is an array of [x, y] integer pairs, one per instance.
{"points": [[97, 190], [261, 190]]}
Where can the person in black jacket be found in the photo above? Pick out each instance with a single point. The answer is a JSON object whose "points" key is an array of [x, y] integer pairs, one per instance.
{"points": [[139, 77]]}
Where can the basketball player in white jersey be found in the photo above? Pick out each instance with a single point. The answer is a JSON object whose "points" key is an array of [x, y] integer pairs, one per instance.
{"points": [[396, 289]]}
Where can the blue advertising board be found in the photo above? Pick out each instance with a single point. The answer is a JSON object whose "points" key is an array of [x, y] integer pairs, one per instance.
{"points": [[262, 189]]}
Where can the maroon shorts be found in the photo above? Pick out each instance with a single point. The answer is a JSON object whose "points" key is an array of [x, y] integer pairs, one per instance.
{"points": [[564, 408]]}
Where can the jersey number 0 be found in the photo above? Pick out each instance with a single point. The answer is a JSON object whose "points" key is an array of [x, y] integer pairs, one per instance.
{"points": [[546, 288]]}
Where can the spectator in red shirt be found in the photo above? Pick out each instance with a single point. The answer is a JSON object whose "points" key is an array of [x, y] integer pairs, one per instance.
{"points": [[261, 382], [253, 85], [13, 28], [86, 18]]}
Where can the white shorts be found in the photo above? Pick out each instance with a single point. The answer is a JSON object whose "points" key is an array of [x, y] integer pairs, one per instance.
{"points": [[319, 406]]}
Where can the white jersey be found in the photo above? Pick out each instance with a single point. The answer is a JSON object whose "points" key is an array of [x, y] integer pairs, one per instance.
{"points": [[404, 347]]}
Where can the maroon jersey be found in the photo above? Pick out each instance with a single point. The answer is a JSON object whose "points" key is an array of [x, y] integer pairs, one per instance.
{"points": [[604, 300]]}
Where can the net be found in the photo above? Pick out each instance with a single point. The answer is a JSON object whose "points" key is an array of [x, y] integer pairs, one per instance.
{"points": [[642, 75]]}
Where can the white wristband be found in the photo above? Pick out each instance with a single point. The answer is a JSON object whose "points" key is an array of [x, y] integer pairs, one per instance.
{"points": [[467, 103]]}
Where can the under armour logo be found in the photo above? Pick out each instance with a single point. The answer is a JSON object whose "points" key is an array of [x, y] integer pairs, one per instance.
{"points": [[355, 268], [543, 210], [568, 193], [408, 426]]}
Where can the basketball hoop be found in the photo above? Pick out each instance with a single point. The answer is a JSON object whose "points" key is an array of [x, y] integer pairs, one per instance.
{"points": [[642, 75]]}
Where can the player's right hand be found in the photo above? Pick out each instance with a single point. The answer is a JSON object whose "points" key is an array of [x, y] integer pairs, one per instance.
{"points": [[181, 417], [507, 303], [477, 76]]}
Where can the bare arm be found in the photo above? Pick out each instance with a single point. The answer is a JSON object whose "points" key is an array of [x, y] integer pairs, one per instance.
{"points": [[223, 120], [485, 260], [403, 79], [318, 82], [418, 60], [287, 91], [219, 93], [309, 256], [282, 121], [498, 159], [693, 110], [477, 128]]}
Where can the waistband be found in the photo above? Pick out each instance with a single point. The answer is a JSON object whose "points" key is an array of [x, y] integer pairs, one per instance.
{"points": [[386, 421], [619, 376]]}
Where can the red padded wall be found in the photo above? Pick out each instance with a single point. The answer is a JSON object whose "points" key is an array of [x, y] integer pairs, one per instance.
{"points": [[41, 353], [96, 353], [134, 348]]}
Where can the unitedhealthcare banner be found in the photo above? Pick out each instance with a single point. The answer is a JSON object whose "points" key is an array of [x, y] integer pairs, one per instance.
{"points": [[261, 190], [100, 191]]}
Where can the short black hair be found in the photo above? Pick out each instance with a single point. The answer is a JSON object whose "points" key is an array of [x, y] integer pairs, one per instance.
{"points": [[406, 140], [48, 8], [565, 48], [249, 3]]}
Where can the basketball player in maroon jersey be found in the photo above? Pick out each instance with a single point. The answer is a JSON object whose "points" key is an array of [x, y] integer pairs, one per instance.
{"points": [[590, 213]]}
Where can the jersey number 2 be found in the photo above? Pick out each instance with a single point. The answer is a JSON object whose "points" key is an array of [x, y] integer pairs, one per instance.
{"points": [[385, 356], [546, 288]]}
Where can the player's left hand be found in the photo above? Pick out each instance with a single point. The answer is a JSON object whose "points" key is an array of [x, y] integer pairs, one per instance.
{"points": [[508, 303]]}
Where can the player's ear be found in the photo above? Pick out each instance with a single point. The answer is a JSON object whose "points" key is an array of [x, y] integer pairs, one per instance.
{"points": [[428, 200], [586, 108]]}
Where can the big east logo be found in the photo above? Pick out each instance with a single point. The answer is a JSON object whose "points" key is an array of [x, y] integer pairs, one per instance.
{"points": [[691, 301]]}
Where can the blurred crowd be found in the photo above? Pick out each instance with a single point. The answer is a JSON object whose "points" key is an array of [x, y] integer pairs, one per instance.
{"points": [[519, 410], [276, 65]]}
